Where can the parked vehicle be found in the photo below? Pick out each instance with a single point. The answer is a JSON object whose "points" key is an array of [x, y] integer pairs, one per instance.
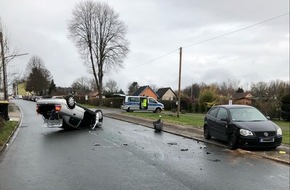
{"points": [[65, 113], [139, 103], [241, 126]]}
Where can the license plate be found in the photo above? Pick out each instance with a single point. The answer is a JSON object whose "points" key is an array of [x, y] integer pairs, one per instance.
{"points": [[267, 140]]}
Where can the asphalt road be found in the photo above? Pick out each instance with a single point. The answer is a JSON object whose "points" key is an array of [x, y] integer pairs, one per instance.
{"points": [[121, 155]]}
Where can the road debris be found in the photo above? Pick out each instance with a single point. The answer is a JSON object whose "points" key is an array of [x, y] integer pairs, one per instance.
{"points": [[214, 160], [208, 153], [184, 149], [97, 144], [172, 143], [125, 144]]}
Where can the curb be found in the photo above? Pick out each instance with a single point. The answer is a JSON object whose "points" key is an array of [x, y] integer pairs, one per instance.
{"points": [[2, 148], [198, 137]]}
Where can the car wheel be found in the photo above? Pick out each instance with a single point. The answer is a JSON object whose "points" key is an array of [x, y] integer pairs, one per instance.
{"points": [[206, 132], [158, 110], [232, 142], [128, 110], [70, 101], [100, 113]]}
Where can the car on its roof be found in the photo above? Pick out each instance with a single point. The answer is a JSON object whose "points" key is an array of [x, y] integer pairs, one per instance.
{"points": [[241, 126], [63, 112]]}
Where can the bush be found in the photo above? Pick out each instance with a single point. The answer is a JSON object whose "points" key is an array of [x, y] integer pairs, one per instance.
{"points": [[285, 107]]}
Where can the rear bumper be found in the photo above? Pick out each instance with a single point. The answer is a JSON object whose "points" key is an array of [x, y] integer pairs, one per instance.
{"points": [[56, 123], [258, 143]]}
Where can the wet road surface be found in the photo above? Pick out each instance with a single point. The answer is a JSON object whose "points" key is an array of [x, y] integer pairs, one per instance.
{"points": [[121, 155]]}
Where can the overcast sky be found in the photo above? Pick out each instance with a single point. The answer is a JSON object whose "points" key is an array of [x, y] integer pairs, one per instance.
{"points": [[156, 30]]}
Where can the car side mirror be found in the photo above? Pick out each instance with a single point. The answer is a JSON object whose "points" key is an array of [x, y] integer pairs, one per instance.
{"points": [[268, 117]]}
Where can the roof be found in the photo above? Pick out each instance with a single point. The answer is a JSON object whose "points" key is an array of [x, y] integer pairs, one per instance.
{"points": [[242, 95], [161, 91], [140, 90], [234, 106]]}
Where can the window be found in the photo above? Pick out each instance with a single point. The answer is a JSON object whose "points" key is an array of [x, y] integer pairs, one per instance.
{"points": [[213, 112], [133, 99], [222, 114], [151, 100]]}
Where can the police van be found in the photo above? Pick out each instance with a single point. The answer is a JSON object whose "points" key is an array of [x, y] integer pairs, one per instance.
{"points": [[139, 103]]}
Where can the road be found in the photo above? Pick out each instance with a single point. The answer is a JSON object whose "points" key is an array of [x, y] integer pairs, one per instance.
{"points": [[121, 155]]}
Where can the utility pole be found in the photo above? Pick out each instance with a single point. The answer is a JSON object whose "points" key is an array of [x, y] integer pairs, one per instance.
{"points": [[179, 81], [3, 67]]}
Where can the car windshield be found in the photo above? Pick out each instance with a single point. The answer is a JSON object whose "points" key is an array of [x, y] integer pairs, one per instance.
{"points": [[246, 114]]}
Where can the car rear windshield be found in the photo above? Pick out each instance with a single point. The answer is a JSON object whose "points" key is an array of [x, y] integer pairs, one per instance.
{"points": [[246, 114]]}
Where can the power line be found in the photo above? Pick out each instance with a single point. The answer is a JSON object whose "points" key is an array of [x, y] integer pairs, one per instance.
{"points": [[235, 31], [152, 60], [213, 38]]}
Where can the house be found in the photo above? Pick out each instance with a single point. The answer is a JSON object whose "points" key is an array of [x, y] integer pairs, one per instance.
{"points": [[145, 91], [245, 98], [166, 94]]}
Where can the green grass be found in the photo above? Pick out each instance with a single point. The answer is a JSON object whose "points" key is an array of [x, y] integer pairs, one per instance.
{"points": [[6, 131], [196, 120]]}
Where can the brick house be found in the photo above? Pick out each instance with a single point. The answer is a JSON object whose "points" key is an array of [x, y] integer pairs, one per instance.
{"points": [[145, 91], [245, 98]]}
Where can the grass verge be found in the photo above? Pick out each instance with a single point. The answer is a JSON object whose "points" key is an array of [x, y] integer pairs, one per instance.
{"points": [[6, 131]]}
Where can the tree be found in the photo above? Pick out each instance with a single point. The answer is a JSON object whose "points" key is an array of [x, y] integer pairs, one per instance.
{"points": [[52, 87], [208, 97], [5, 56], [240, 90], [81, 85], [133, 87], [99, 35], [229, 87], [38, 77], [112, 86]]}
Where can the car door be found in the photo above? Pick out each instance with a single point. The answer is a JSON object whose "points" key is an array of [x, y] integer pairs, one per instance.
{"points": [[211, 121], [152, 104], [221, 123]]}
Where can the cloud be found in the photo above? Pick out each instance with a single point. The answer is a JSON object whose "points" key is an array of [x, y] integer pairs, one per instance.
{"points": [[156, 30]]}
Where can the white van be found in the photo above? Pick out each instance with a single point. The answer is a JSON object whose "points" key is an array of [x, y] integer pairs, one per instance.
{"points": [[139, 103]]}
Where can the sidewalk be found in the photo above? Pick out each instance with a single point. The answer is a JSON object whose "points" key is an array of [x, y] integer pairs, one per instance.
{"points": [[280, 154]]}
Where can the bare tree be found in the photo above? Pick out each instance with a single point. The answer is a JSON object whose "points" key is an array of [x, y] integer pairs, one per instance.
{"points": [[81, 85], [99, 35], [6, 56], [112, 86]]}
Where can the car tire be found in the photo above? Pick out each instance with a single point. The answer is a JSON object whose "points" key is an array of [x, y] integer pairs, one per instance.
{"points": [[157, 110], [206, 133], [70, 101], [100, 114], [232, 142]]}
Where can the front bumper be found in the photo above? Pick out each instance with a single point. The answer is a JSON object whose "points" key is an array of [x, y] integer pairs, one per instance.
{"points": [[259, 142]]}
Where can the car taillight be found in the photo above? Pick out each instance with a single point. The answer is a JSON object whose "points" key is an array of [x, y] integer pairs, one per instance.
{"points": [[57, 107]]}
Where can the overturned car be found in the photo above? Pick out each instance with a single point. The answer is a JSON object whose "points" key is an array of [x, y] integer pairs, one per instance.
{"points": [[65, 113]]}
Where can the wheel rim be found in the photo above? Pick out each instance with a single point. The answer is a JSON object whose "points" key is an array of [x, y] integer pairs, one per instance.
{"points": [[71, 101]]}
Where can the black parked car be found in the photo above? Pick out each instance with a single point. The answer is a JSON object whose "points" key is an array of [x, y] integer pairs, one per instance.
{"points": [[241, 126]]}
